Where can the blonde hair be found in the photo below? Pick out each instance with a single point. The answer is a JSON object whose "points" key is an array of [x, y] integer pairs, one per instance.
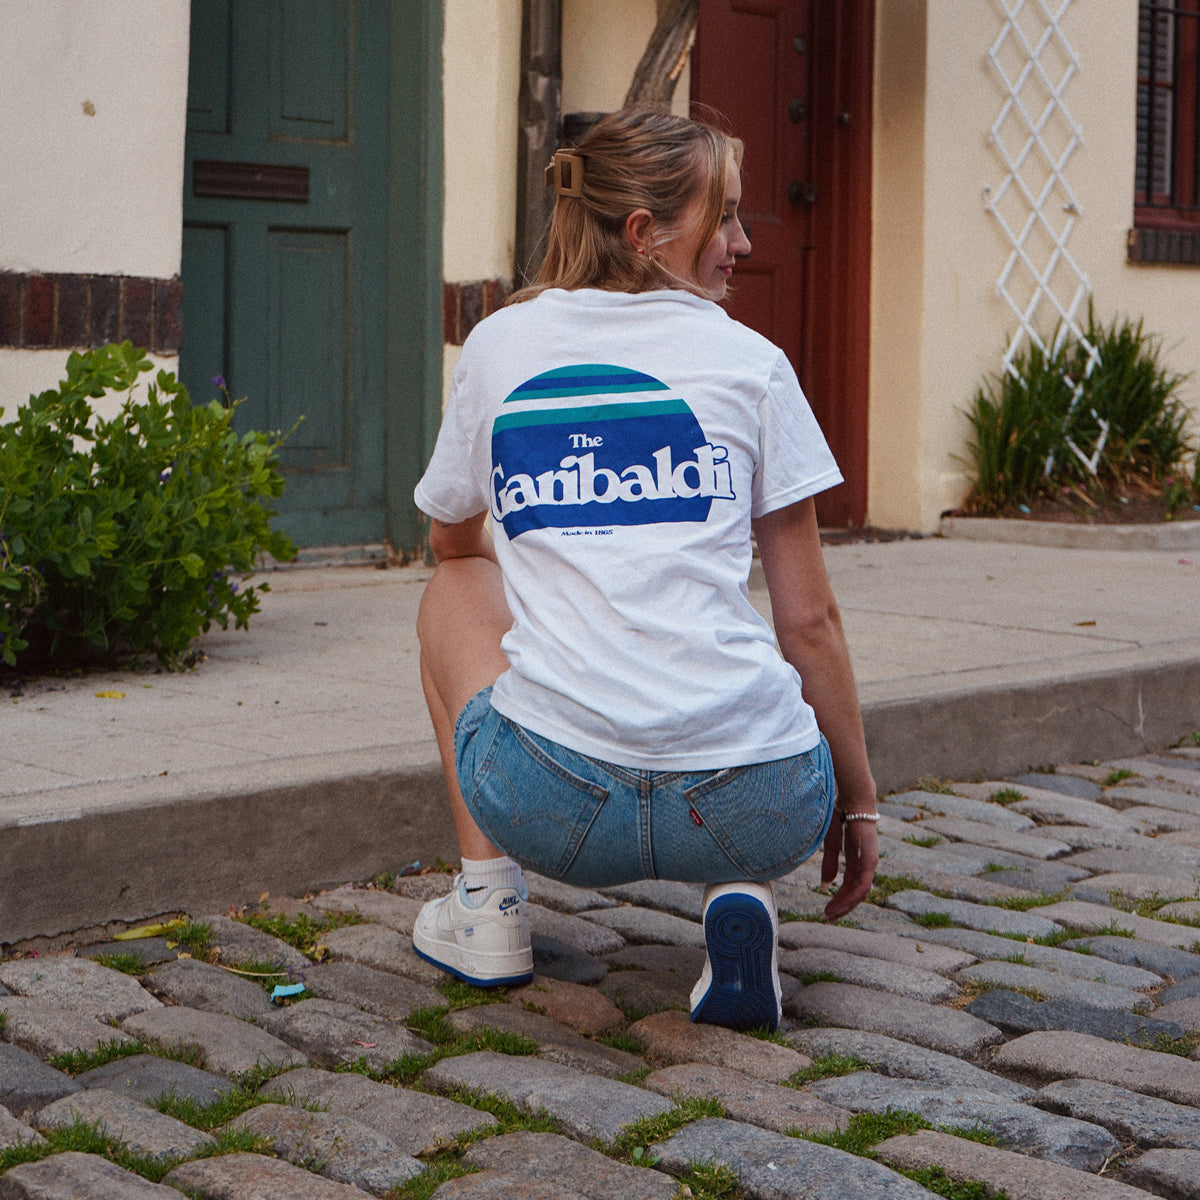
{"points": [[636, 158]]}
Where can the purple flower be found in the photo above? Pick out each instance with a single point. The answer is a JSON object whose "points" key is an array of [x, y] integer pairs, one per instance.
{"points": [[218, 381]]}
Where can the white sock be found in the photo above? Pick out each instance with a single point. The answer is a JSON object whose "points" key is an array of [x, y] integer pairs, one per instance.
{"points": [[488, 873]]}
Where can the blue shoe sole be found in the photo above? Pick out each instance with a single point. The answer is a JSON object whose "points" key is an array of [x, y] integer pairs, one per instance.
{"points": [[741, 945], [506, 981]]}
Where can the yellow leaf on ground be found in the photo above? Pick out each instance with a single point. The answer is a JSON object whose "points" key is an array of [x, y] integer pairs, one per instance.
{"points": [[145, 931]]}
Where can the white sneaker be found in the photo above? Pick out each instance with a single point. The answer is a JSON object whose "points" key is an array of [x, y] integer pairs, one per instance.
{"points": [[482, 939], [739, 986]]}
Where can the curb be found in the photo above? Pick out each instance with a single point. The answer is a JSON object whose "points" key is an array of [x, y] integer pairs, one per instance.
{"points": [[1169, 535], [218, 846], [1008, 728], [203, 849]]}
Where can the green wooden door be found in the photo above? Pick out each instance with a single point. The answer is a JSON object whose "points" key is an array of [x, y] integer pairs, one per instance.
{"points": [[285, 244]]}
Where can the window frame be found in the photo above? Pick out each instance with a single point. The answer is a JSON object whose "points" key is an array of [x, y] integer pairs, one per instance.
{"points": [[1177, 208]]}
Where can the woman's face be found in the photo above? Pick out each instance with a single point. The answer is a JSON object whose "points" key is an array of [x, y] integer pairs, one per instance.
{"points": [[730, 241]]}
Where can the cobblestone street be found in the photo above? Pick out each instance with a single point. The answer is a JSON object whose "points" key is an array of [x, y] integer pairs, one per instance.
{"points": [[1018, 1006]]}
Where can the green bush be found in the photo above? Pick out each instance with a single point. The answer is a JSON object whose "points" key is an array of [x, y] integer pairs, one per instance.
{"points": [[1125, 413], [1017, 426], [123, 536]]}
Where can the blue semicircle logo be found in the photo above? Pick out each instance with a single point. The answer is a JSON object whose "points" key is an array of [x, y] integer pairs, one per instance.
{"points": [[594, 446]]}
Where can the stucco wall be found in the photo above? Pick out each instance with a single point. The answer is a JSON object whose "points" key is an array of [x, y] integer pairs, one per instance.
{"points": [[481, 61], [938, 324], [602, 43], [93, 97]]}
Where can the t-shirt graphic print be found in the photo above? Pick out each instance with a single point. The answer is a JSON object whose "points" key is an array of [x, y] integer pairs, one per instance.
{"points": [[597, 445]]}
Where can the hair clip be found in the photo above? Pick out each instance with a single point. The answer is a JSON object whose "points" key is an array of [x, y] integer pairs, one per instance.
{"points": [[565, 173]]}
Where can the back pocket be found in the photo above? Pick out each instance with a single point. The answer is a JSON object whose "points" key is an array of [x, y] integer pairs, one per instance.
{"points": [[769, 817], [529, 800]]}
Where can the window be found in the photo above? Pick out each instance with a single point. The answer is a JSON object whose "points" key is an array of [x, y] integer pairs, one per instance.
{"points": [[1167, 184]]}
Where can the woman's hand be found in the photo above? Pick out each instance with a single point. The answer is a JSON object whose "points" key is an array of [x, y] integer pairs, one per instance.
{"points": [[858, 841]]}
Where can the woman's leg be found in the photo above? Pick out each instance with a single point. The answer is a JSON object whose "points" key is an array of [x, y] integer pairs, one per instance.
{"points": [[480, 930], [462, 618]]}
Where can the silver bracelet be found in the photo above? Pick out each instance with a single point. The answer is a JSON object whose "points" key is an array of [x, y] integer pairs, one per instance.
{"points": [[857, 816]]}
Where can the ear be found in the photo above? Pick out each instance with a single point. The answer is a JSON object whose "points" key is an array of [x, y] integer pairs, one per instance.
{"points": [[639, 225]]}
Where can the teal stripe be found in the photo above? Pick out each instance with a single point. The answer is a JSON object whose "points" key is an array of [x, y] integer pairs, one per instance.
{"points": [[590, 414], [584, 380], [587, 387]]}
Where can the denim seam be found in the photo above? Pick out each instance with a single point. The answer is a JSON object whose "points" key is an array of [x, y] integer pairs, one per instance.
{"points": [[584, 785], [579, 831]]}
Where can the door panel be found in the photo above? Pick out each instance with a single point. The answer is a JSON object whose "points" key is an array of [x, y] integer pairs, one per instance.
{"points": [[761, 36], [792, 79], [309, 62], [284, 265], [308, 319]]}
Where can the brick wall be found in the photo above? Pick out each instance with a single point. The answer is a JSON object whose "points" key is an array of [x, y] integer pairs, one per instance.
{"points": [[76, 312], [464, 305]]}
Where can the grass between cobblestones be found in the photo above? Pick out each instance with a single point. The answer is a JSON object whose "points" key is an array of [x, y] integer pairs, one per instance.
{"points": [[972, 989], [632, 1147], [821, 977], [938, 787], [764, 1034], [195, 936], [826, 1066], [92, 1138], [1006, 795], [926, 843], [1051, 940], [1165, 1044], [75, 1062], [446, 1163], [866, 1130], [886, 886], [301, 931], [422, 1186], [1025, 903], [621, 1040], [127, 963], [1151, 906], [431, 1024], [245, 1094], [933, 920], [1113, 929], [633, 1144]]}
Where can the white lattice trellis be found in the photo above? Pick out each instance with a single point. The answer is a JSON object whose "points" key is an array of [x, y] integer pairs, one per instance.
{"points": [[1035, 137]]}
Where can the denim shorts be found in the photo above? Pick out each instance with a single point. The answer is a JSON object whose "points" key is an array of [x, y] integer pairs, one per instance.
{"points": [[593, 823]]}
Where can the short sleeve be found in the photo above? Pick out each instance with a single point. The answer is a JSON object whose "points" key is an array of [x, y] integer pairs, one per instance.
{"points": [[794, 460], [454, 486]]}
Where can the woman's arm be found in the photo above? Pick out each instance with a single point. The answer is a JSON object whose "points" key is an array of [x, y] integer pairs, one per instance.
{"points": [[808, 627], [466, 539]]}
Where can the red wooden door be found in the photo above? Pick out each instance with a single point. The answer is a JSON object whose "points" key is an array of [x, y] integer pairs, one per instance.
{"points": [[792, 78]]}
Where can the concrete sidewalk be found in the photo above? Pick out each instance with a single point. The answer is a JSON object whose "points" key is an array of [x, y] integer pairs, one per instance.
{"points": [[299, 753]]}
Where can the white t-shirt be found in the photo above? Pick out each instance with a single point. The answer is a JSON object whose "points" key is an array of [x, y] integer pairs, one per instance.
{"points": [[622, 444]]}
